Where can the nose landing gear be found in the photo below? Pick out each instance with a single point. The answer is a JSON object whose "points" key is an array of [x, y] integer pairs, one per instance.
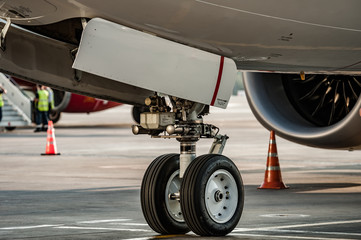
{"points": [[182, 192]]}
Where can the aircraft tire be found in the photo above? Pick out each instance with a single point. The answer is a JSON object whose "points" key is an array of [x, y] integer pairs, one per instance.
{"points": [[212, 195], [54, 116], [161, 178]]}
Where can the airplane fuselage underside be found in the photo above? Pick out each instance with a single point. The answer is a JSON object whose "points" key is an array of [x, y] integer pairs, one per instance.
{"points": [[284, 36]]}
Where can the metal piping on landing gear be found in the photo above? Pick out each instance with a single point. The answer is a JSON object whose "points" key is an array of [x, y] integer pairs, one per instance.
{"points": [[171, 129], [136, 129], [174, 196], [218, 144], [185, 123]]}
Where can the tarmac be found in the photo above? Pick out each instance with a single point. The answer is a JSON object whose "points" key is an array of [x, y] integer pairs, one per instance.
{"points": [[92, 190]]}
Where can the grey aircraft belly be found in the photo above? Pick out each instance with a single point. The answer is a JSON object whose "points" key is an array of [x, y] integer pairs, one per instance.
{"points": [[301, 63]]}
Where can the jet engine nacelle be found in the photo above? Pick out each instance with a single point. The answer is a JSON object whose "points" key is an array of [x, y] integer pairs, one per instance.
{"points": [[75, 103], [319, 111]]}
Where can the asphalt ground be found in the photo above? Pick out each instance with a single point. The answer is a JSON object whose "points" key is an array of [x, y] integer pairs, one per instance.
{"points": [[91, 190]]}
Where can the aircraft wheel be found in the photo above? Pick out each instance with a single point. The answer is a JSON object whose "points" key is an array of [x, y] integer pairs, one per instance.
{"points": [[54, 116], [160, 180], [212, 195]]}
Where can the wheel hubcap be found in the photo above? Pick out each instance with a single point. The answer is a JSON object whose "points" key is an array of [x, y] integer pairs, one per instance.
{"points": [[173, 203], [218, 196], [221, 196]]}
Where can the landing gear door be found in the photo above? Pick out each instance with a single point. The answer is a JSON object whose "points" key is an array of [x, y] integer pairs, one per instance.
{"points": [[140, 59]]}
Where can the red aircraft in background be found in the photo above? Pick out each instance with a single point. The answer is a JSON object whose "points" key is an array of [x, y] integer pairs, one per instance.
{"points": [[68, 102]]}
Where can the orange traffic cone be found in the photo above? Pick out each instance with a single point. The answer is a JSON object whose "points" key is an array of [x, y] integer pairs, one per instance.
{"points": [[272, 178], [50, 141]]}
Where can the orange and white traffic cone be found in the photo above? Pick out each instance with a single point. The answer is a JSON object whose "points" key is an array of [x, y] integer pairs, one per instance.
{"points": [[273, 178], [50, 141]]}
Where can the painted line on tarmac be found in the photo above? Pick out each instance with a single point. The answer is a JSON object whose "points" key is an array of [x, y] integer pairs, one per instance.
{"points": [[162, 236], [284, 215], [142, 238], [264, 236], [29, 227], [296, 226], [105, 221], [317, 232], [319, 224], [103, 228], [130, 224], [281, 236], [283, 229]]}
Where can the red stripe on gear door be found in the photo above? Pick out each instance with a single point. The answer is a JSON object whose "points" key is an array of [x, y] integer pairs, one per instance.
{"points": [[218, 81]]}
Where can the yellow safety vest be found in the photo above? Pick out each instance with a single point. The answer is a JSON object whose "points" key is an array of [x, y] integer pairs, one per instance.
{"points": [[43, 105], [1, 100]]}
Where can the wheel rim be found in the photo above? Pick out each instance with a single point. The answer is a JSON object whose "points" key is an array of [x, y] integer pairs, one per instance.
{"points": [[173, 205], [221, 196]]}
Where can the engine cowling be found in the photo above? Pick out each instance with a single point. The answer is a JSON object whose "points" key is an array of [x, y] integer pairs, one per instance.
{"points": [[61, 100], [75, 103], [320, 111]]}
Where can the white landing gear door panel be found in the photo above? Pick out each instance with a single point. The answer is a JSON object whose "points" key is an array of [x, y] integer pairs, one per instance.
{"points": [[129, 56]]}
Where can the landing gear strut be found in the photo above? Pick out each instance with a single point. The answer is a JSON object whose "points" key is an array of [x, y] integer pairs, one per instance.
{"points": [[182, 192]]}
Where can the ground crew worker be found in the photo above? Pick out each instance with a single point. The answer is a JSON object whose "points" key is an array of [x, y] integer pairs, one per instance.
{"points": [[50, 100], [2, 90], [42, 108]]}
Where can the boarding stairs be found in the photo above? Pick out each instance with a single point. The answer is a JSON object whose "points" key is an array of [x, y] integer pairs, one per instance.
{"points": [[17, 107]]}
